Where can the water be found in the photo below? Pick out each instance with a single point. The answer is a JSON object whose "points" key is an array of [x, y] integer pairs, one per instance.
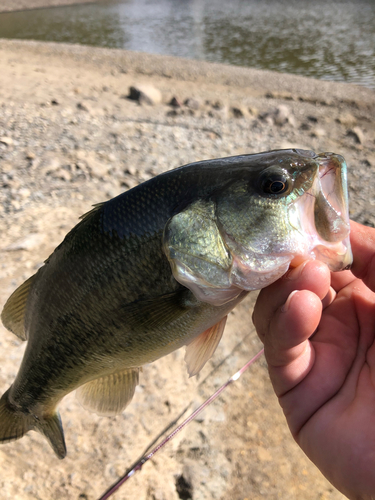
{"points": [[330, 40]]}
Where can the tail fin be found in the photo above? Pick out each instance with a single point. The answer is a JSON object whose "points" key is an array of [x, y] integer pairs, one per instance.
{"points": [[14, 424]]}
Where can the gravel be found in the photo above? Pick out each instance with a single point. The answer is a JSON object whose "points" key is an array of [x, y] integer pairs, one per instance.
{"points": [[70, 137]]}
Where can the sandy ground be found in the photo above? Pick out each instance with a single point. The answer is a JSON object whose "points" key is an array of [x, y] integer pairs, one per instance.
{"points": [[11, 5], [70, 138]]}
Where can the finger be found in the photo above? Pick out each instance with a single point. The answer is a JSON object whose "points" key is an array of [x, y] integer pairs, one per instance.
{"points": [[362, 239], [329, 298], [291, 325], [312, 275], [341, 279], [286, 345]]}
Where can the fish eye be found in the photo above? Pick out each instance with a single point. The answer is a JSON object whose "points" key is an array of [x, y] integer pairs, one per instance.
{"points": [[275, 183]]}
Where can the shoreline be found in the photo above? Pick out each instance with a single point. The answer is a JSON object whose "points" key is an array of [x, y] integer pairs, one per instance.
{"points": [[20, 5], [285, 86]]}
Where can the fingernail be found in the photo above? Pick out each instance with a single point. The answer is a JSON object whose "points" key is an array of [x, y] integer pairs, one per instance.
{"points": [[286, 306], [295, 273]]}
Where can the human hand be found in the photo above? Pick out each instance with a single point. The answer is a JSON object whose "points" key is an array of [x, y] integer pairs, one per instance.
{"points": [[325, 381]]}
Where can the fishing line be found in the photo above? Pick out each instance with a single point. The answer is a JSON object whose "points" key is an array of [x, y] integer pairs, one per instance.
{"points": [[138, 465], [171, 424]]}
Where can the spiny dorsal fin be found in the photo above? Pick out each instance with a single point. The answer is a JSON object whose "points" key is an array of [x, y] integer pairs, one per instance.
{"points": [[199, 351], [95, 208], [109, 395], [13, 314]]}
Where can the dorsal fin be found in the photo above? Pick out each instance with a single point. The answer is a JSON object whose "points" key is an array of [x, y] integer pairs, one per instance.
{"points": [[109, 395], [13, 314], [95, 208], [199, 351]]}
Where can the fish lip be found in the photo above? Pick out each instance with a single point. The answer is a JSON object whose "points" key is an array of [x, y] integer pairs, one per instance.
{"points": [[324, 215], [331, 201]]}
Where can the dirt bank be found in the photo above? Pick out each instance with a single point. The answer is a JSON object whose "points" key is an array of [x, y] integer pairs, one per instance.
{"points": [[69, 138]]}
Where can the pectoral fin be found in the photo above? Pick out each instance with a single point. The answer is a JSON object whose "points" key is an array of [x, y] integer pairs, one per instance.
{"points": [[13, 314], [109, 395], [200, 350]]}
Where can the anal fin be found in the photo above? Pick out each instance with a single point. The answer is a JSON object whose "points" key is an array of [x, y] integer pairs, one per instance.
{"points": [[109, 395], [200, 350], [13, 314]]}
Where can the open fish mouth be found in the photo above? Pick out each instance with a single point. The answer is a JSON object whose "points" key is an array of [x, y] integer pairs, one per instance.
{"points": [[325, 213]]}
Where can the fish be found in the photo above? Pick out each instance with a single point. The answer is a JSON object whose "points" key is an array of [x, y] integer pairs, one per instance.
{"points": [[160, 267]]}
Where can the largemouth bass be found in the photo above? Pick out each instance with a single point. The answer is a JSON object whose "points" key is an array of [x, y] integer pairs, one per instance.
{"points": [[160, 267]]}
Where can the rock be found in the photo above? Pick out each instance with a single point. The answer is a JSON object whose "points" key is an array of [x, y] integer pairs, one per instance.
{"points": [[318, 132], [184, 486], [312, 119], [281, 115], [6, 167], [63, 174], [129, 182], [10, 181], [238, 111], [16, 204], [96, 168], [172, 112], [347, 119], [369, 161], [24, 193], [268, 119], [87, 162], [357, 135], [131, 170], [156, 493], [218, 105], [145, 94], [8, 141], [111, 189], [305, 126], [50, 164], [192, 103], [175, 102], [55, 102], [83, 106], [30, 242]]}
